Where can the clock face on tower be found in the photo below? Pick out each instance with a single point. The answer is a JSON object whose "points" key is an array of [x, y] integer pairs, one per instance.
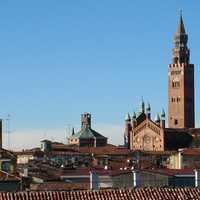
{"points": [[147, 139]]}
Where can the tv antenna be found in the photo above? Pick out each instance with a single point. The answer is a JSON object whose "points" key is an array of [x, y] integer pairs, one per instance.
{"points": [[67, 133], [8, 119]]}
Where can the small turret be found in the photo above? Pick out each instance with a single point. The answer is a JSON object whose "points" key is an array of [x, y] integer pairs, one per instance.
{"points": [[148, 111], [134, 121], [73, 132], [127, 130], [127, 117], [142, 106], [163, 114], [134, 115], [162, 123], [157, 120]]}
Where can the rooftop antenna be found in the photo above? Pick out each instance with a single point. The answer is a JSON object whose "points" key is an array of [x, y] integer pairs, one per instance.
{"points": [[8, 129], [67, 133]]}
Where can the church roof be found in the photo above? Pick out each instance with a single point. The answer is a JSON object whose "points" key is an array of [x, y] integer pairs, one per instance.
{"points": [[87, 133], [177, 138]]}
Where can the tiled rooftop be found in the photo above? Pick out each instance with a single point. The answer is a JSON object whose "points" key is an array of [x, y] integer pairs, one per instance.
{"points": [[4, 176], [105, 150], [59, 186], [35, 152], [173, 172], [191, 152], [134, 194]]}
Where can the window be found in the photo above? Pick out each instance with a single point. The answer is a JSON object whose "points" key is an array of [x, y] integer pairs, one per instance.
{"points": [[175, 84], [175, 121], [176, 72], [178, 99], [5, 166], [176, 60]]}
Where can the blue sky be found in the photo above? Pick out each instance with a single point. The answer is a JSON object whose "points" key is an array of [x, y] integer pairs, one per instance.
{"points": [[62, 58]]}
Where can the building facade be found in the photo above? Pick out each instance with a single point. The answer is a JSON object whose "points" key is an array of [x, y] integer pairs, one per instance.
{"points": [[142, 133]]}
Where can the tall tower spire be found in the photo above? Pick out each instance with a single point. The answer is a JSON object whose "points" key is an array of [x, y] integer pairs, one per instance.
{"points": [[181, 82], [180, 27], [181, 53]]}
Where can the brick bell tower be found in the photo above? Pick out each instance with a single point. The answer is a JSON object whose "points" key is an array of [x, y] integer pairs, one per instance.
{"points": [[181, 112]]}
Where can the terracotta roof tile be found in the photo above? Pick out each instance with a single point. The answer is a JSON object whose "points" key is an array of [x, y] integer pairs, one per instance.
{"points": [[59, 186], [129, 194]]}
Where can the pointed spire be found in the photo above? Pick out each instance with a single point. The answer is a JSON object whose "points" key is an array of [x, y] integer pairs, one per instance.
{"points": [[181, 53], [180, 28], [127, 118], [142, 106], [148, 107], [134, 115], [157, 118], [181, 36], [148, 111], [163, 114], [73, 132]]}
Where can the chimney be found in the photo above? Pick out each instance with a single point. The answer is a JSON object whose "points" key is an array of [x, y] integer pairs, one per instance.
{"points": [[136, 179], [180, 158], [127, 130], [197, 178], [94, 181], [25, 174]]}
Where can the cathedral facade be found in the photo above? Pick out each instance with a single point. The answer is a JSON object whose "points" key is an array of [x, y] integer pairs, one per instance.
{"points": [[144, 133], [141, 132]]}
